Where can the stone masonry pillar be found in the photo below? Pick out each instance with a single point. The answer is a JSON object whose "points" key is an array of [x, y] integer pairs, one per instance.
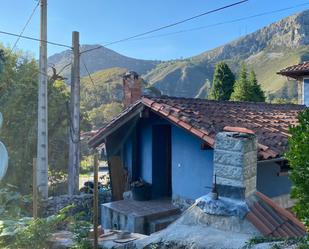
{"points": [[235, 164]]}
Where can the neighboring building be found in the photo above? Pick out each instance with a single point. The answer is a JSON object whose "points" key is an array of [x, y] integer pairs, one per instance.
{"points": [[169, 142], [299, 72]]}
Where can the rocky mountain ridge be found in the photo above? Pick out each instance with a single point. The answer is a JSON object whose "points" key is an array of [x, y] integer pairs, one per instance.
{"points": [[266, 50]]}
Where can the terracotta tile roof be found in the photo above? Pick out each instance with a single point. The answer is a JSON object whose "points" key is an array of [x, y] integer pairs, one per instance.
{"points": [[272, 220], [205, 118], [296, 71]]}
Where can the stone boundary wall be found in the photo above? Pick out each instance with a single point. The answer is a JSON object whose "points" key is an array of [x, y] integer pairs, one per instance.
{"points": [[82, 203]]}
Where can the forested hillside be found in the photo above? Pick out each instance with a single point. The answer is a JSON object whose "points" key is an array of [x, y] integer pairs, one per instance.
{"points": [[266, 51]]}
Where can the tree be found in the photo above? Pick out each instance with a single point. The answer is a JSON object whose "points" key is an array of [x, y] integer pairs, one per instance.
{"points": [[242, 87], [223, 82], [18, 104], [103, 114], [298, 158], [247, 88], [257, 94]]}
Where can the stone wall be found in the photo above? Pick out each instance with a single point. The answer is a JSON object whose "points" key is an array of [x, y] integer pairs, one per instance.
{"points": [[235, 164], [82, 203]]}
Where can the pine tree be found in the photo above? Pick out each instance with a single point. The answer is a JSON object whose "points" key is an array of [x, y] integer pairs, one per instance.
{"points": [[257, 94], [223, 82], [242, 87]]}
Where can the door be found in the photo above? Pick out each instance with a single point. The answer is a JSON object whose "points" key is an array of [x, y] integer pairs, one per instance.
{"points": [[161, 161]]}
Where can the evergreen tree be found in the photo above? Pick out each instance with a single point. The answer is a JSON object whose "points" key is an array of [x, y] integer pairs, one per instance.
{"points": [[223, 82], [257, 94], [242, 87]]}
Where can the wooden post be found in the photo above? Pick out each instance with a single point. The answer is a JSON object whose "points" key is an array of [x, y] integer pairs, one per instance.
{"points": [[34, 191], [95, 201]]}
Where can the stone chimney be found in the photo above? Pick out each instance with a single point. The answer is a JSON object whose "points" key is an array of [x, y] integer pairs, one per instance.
{"points": [[132, 88], [235, 164]]}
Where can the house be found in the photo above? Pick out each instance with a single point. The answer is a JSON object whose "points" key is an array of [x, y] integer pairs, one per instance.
{"points": [[299, 72], [169, 142], [230, 220]]}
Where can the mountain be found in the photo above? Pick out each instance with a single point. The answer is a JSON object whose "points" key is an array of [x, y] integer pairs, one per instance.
{"points": [[266, 51], [99, 59]]}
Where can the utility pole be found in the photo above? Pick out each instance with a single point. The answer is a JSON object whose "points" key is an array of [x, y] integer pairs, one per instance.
{"points": [[74, 130], [95, 200], [42, 143], [34, 191]]}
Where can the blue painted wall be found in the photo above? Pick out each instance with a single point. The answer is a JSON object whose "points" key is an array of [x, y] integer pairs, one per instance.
{"points": [[269, 183], [192, 168], [127, 153], [145, 147], [306, 92]]}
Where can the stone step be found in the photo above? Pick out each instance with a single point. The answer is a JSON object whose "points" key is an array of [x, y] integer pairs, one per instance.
{"points": [[159, 224], [162, 214]]}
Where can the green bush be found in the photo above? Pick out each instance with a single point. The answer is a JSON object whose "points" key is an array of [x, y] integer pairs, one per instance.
{"points": [[13, 204], [298, 157]]}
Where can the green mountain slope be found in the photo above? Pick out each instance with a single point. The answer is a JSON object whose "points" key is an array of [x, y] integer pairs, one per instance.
{"points": [[267, 51], [99, 59]]}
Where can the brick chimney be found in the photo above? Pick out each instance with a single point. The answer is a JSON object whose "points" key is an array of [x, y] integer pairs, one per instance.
{"points": [[235, 164], [132, 88]]}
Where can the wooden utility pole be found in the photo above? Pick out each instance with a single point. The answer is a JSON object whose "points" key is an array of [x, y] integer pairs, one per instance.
{"points": [[35, 192], [95, 200], [74, 149], [42, 143]]}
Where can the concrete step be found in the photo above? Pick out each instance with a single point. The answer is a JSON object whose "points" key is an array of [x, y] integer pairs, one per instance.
{"points": [[159, 224], [162, 214]]}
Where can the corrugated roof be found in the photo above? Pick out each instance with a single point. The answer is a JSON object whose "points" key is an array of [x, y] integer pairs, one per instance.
{"points": [[296, 71], [205, 118], [272, 220]]}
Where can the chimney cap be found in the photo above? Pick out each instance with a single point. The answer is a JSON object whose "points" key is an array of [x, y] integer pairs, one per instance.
{"points": [[129, 74]]}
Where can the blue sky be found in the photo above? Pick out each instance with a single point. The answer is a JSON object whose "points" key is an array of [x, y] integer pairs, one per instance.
{"points": [[101, 21]]}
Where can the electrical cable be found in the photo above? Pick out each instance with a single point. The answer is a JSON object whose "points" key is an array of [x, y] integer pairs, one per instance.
{"points": [[89, 75], [166, 26], [25, 26], [221, 23], [34, 39]]}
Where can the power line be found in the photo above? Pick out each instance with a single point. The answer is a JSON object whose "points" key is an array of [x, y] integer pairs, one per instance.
{"points": [[25, 26], [167, 26], [89, 75], [34, 39], [222, 23]]}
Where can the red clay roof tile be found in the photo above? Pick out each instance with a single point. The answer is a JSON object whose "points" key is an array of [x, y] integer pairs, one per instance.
{"points": [[238, 129], [272, 220], [205, 119], [296, 71]]}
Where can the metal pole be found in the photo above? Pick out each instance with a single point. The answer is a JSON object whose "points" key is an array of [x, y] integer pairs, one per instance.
{"points": [[95, 201], [34, 191], [74, 147], [42, 143]]}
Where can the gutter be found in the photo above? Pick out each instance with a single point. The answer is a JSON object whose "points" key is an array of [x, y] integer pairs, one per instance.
{"points": [[274, 160]]}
